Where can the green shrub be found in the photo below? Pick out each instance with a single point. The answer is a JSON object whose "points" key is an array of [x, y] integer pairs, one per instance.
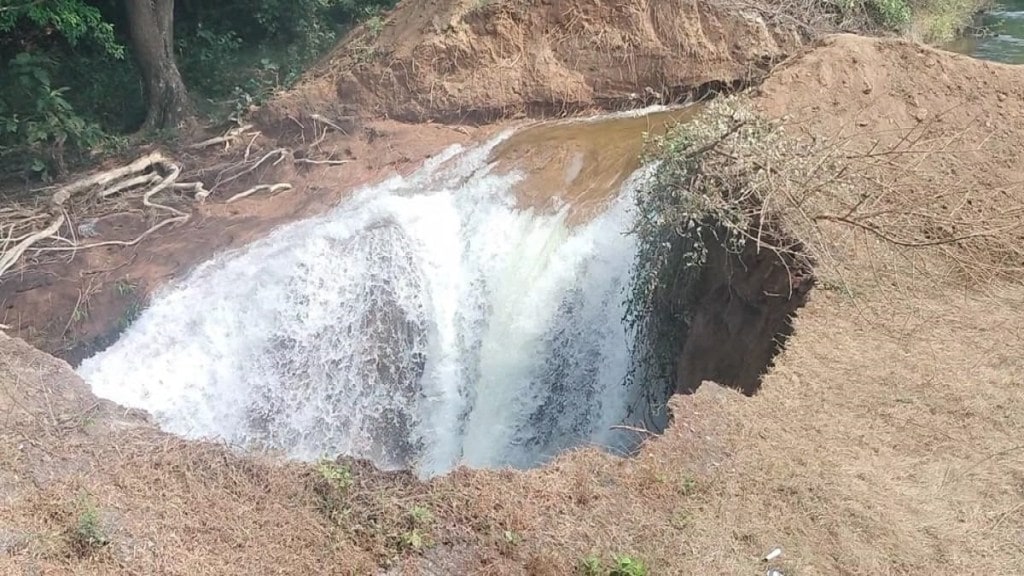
{"points": [[622, 565], [337, 475], [74, 21], [68, 81], [39, 128], [87, 535], [590, 565], [679, 217], [628, 566], [893, 14]]}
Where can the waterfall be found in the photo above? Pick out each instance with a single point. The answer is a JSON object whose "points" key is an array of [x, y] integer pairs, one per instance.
{"points": [[426, 322]]}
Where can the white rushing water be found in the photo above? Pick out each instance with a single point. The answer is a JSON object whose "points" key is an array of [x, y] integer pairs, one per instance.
{"points": [[424, 323]]}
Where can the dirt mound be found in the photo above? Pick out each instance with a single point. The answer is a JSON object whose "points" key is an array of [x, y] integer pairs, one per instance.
{"points": [[875, 86], [937, 137], [472, 61]]}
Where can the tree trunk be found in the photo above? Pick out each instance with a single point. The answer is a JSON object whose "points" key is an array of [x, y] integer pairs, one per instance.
{"points": [[151, 26]]}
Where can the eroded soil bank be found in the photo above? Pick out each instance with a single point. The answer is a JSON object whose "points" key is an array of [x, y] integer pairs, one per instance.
{"points": [[474, 62]]}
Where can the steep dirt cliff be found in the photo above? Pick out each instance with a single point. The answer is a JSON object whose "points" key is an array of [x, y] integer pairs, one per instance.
{"points": [[743, 316]]}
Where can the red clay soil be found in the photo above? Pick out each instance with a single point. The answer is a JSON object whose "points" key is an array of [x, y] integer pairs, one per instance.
{"points": [[467, 61]]}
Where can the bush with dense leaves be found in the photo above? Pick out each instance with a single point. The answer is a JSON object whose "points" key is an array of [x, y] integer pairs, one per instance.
{"points": [[69, 78]]}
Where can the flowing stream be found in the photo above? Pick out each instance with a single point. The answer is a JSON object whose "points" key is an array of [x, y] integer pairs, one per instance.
{"points": [[427, 322], [1002, 36]]}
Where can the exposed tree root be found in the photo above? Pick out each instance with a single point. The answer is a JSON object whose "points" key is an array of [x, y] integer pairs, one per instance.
{"points": [[28, 230], [279, 154], [230, 137], [132, 242], [321, 162], [152, 173], [11, 256], [272, 188]]}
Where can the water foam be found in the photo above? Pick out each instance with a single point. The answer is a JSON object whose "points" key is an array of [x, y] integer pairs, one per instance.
{"points": [[426, 322]]}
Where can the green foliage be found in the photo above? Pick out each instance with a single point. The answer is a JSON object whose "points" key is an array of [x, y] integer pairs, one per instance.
{"points": [[337, 475], [87, 535], [590, 565], [38, 126], [943, 20], [128, 291], [622, 565], [104, 91], [375, 25], [628, 566], [68, 82], [73, 20], [131, 313], [416, 537], [125, 287], [688, 486], [236, 57], [681, 213], [331, 482], [204, 55], [420, 516], [414, 541], [892, 15]]}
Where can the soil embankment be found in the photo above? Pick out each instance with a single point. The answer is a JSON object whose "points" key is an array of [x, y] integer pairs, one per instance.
{"points": [[473, 62]]}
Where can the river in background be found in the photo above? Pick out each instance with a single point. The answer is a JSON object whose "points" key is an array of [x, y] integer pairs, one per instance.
{"points": [[1000, 37]]}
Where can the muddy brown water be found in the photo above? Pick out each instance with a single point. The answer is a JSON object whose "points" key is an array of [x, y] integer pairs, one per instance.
{"points": [[581, 164]]}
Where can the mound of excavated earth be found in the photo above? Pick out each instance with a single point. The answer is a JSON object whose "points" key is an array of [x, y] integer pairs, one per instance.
{"points": [[473, 61]]}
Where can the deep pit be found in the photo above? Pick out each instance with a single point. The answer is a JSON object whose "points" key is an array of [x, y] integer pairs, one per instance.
{"points": [[445, 318]]}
